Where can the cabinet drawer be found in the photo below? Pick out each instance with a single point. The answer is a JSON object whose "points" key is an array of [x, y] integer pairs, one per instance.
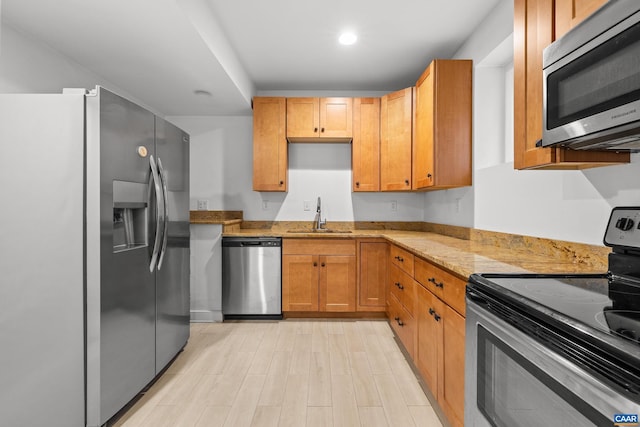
{"points": [[444, 285], [403, 287], [402, 259], [319, 246], [403, 324]]}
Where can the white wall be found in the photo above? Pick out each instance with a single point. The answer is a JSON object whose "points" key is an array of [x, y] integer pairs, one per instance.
{"points": [[221, 173], [566, 205], [30, 66]]}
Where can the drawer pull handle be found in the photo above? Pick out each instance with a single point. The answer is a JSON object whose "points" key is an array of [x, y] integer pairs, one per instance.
{"points": [[433, 280], [431, 311], [399, 321], [400, 285], [437, 317]]}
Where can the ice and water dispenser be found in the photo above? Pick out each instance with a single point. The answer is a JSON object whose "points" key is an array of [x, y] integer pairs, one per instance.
{"points": [[130, 218]]}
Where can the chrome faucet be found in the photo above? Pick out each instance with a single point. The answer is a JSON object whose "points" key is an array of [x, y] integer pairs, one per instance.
{"points": [[318, 223]]}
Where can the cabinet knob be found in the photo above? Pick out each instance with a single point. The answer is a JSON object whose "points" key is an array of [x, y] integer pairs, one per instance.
{"points": [[322, 265], [429, 175], [322, 130], [281, 182], [315, 130], [357, 184], [406, 181], [315, 264]]}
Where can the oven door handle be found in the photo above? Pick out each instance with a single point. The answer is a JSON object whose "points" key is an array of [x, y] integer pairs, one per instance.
{"points": [[477, 298]]}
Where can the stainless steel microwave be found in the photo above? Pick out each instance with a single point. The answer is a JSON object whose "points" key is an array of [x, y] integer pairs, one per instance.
{"points": [[591, 82]]}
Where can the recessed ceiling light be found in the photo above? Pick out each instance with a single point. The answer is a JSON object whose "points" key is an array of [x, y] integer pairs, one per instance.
{"points": [[201, 92], [347, 38]]}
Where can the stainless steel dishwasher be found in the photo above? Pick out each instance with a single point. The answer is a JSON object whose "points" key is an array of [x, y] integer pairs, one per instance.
{"points": [[252, 277]]}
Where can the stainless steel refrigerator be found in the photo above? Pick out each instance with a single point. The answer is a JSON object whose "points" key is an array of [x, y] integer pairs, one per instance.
{"points": [[94, 254]]}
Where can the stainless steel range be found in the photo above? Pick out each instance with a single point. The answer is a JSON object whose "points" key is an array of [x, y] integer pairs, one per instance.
{"points": [[558, 350]]}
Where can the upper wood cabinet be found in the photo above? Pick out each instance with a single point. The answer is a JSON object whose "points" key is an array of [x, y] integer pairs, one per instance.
{"points": [[269, 144], [570, 13], [537, 23], [319, 119], [366, 144], [396, 137], [442, 144]]}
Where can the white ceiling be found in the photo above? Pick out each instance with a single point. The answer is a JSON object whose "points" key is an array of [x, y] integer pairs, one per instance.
{"points": [[160, 51]]}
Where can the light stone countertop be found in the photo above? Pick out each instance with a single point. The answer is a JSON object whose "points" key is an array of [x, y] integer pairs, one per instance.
{"points": [[464, 257]]}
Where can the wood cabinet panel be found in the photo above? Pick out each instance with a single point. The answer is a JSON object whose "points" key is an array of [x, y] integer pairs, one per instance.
{"points": [[451, 387], [337, 283], [403, 324], [269, 144], [443, 126], [533, 31], [366, 144], [429, 335], [300, 275], [303, 118], [319, 246], [373, 275], [403, 287], [402, 259], [444, 285], [569, 13], [319, 119], [318, 275], [336, 117], [396, 138]]}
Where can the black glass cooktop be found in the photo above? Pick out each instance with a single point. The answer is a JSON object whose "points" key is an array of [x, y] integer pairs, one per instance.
{"points": [[588, 302]]}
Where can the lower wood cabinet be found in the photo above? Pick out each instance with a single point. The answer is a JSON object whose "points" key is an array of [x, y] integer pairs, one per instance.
{"points": [[373, 255], [426, 307], [440, 353], [318, 275]]}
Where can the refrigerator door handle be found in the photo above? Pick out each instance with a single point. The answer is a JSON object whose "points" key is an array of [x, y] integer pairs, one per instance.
{"points": [[154, 180], [165, 192]]}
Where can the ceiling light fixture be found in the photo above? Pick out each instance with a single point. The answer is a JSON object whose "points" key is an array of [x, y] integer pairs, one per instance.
{"points": [[201, 92], [347, 38]]}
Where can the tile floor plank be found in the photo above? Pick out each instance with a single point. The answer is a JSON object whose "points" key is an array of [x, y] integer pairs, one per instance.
{"points": [[287, 373]]}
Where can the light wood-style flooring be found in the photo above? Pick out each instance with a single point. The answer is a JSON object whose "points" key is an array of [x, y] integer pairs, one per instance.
{"points": [[287, 373]]}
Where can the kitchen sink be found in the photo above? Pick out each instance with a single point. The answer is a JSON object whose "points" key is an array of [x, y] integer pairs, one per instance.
{"points": [[319, 231]]}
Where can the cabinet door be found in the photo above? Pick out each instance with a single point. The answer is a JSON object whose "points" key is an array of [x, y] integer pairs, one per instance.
{"points": [[396, 136], [300, 282], [366, 144], [269, 144], [372, 278], [451, 382], [336, 118], [570, 13], [429, 338], [337, 283], [303, 118], [423, 147], [533, 31]]}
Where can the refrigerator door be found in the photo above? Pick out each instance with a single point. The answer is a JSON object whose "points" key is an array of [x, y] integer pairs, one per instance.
{"points": [[121, 212], [41, 260], [172, 276]]}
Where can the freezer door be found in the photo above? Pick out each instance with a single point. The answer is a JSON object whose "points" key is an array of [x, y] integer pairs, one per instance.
{"points": [[120, 286], [172, 276], [41, 260]]}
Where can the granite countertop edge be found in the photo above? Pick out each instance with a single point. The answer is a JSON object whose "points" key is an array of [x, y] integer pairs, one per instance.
{"points": [[459, 256]]}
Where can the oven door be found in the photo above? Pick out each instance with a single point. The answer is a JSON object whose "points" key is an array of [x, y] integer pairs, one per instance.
{"points": [[513, 380]]}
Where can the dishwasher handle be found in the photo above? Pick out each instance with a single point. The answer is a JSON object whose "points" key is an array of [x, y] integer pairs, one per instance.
{"points": [[255, 242]]}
